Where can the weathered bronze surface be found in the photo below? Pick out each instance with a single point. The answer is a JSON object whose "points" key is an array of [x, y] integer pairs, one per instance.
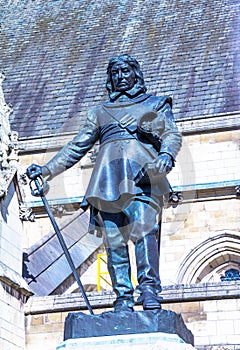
{"points": [[80, 325], [139, 141]]}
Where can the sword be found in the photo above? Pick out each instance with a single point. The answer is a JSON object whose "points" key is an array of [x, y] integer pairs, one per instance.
{"points": [[38, 191]]}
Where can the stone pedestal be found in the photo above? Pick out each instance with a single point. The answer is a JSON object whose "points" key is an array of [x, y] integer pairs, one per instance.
{"points": [[152, 329], [144, 341], [80, 325]]}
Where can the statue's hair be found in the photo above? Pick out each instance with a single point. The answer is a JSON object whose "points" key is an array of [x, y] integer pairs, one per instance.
{"points": [[133, 63]]}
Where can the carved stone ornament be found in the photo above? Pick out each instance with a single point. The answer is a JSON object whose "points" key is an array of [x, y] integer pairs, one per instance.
{"points": [[8, 145], [237, 188], [58, 209], [25, 213]]}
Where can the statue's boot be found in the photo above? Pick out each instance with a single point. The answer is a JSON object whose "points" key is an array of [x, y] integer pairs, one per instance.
{"points": [[147, 259], [120, 272]]}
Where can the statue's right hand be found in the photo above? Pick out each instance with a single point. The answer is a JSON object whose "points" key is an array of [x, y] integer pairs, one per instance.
{"points": [[34, 171]]}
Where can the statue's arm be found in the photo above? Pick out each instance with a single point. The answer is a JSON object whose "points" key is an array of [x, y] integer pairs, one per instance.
{"points": [[171, 137], [171, 140], [74, 150]]}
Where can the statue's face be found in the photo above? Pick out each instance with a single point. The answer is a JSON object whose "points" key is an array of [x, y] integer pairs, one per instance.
{"points": [[123, 76]]}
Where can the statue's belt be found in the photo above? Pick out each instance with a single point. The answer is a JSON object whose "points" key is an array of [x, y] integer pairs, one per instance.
{"points": [[132, 128]]}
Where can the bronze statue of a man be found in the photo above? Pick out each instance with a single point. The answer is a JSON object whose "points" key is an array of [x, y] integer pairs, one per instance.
{"points": [[139, 141]]}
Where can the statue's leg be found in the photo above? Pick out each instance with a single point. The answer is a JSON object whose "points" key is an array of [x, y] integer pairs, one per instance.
{"points": [[118, 261], [120, 272], [144, 231], [147, 259]]}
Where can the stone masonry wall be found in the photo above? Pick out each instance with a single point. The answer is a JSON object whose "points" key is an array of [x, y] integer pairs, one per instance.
{"points": [[12, 286], [13, 289], [205, 160], [213, 321], [199, 237]]}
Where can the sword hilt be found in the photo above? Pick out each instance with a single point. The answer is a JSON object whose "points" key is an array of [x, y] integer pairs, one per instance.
{"points": [[37, 186]]}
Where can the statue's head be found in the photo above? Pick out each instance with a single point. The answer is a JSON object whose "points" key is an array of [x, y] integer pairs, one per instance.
{"points": [[124, 73]]}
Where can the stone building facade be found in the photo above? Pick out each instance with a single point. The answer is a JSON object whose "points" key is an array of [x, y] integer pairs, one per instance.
{"points": [[14, 290], [54, 55], [200, 243]]}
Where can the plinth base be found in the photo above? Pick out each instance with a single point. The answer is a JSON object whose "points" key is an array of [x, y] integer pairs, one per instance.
{"points": [[80, 325], [144, 341]]}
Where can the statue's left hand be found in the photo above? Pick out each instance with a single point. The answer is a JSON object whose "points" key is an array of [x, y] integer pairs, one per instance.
{"points": [[34, 171], [163, 164]]}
